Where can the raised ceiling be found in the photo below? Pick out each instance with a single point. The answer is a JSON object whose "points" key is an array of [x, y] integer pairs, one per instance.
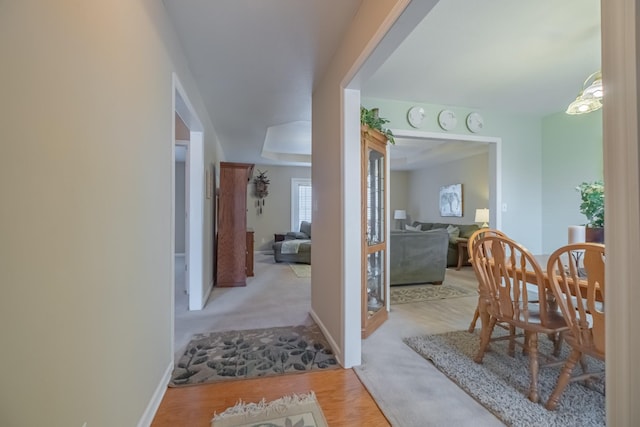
{"points": [[256, 62]]}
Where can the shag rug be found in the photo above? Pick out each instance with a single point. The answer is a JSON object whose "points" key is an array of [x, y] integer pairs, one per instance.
{"points": [[501, 382], [301, 270], [253, 353], [416, 293], [288, 411]]}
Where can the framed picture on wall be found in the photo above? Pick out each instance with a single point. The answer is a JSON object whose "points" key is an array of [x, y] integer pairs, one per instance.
{"points": [[451, 200]]}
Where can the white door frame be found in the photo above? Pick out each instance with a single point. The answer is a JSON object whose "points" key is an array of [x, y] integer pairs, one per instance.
{"points": [[194, 182], [185, 214], [495, 164]]}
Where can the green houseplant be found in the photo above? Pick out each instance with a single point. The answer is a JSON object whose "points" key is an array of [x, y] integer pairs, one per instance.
{"points": [[592, 206], [374, 121]]}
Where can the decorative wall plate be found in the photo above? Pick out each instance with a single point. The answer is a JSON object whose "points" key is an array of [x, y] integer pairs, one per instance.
{"points": [[415, 116], [475, 122], [447, 119]]}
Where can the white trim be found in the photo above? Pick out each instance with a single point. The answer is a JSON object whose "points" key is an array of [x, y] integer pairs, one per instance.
{"points": [[194, 196], [351, 230], [196, 222], [329, 337], [152, 407], [495, 164]]}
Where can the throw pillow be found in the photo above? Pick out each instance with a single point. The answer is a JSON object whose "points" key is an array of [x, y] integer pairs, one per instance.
{"points": [[416, 228], [454, 233]]}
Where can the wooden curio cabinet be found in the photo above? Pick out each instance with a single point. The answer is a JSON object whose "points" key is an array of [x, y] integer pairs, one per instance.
{"points": [[374, 229]]}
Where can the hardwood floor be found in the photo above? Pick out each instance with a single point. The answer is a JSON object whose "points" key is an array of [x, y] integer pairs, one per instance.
{"points": [[342, 397]]}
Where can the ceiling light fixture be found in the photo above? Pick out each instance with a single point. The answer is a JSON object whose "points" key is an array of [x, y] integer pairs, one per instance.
{"points": [[590, 97]]}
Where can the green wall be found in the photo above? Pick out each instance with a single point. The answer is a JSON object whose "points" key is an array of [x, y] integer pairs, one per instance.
{"points": [[543, 159], [571, 154], [520, 153]]}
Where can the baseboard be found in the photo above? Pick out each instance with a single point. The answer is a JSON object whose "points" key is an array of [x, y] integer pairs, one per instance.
{"points": [[208, 294], [156, 399], [329, 338]]}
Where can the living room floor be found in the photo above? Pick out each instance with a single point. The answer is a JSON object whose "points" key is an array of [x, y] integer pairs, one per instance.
{"points": [[408, 388]]}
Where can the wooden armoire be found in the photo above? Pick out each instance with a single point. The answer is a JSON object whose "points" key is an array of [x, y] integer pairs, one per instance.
{"points": [[234, 252]]}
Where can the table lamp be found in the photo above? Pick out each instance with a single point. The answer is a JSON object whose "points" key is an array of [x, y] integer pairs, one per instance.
{"points": [[400, 216], [482, 215]]}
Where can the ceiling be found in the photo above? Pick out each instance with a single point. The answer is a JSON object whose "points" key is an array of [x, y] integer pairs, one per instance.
{"points": [[256, 63]]}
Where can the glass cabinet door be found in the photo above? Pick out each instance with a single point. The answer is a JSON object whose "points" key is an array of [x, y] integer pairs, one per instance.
{"points": [[375, 197], [374, 248]]}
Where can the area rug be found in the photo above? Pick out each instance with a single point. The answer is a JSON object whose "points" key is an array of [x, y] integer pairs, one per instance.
{"points": [[501, 382], [416, 293], [234, 355], [288, 411], [301, 270]]}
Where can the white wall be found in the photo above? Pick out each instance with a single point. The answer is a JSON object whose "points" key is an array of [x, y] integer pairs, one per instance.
{"points": [[335, 147], [85, 178]]}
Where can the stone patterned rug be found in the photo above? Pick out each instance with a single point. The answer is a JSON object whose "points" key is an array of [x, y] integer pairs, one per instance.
{"points": [[233, 355], [416, 293], [501, 382]]}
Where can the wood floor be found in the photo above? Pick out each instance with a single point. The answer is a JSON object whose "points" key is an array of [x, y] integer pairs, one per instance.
{"points": [[342, 397]]}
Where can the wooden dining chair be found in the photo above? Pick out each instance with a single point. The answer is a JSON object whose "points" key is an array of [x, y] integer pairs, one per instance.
{"points": [[581, 306], [473, 240], [504, 269]]}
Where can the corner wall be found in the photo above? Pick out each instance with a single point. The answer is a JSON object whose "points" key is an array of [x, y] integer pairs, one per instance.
{"points": [[85, 178]]}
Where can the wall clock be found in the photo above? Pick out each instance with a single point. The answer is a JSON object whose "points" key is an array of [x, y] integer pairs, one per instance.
{"points": [[415, 116], [475, 122], [447, 119]]}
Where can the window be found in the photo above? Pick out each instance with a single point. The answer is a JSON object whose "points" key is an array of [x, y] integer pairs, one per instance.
{"points": [[300, 202]]}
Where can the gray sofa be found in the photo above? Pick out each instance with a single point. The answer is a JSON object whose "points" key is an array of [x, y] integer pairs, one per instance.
{"points": [[465, 231], [418, 256], [296, 246]]}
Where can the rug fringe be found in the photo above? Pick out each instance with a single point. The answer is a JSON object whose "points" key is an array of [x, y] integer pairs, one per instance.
{"points": [[278, 406]]}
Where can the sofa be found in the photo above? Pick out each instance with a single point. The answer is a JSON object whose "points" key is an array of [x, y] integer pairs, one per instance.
{"points": [[464, 231], [296, 246], [418, 256]]}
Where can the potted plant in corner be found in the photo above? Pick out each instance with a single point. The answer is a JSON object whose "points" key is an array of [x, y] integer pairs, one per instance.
{"points": [[592, 206]]}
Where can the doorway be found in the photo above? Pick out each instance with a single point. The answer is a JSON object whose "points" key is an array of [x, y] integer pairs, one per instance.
{"points": [[188, 140]]}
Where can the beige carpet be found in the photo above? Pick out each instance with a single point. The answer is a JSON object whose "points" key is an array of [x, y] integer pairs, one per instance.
{"points": [[301, 270]]}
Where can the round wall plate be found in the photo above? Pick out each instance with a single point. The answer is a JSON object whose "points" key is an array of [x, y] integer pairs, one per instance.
{"points": [[447, 119], [415, 116], [475, 122]]}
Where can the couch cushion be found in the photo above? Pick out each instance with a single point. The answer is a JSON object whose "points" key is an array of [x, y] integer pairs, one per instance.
{"points": [[424, 225], [466, 230], [412, 228], [454, 233], [305, 227]]}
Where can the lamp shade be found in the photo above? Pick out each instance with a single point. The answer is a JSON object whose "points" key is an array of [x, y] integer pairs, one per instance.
{"points": [[482, 215], [399, 214]]}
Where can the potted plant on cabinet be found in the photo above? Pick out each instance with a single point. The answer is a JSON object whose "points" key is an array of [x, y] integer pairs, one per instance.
{"points": [[592, 206], [374, 121]]}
